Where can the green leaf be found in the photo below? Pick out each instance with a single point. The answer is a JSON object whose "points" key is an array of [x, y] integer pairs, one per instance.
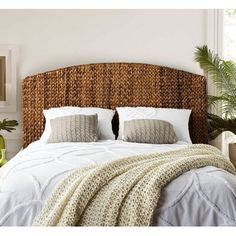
{"points": [[220, 71], [217, 125], [223, 75], [8, 125]]}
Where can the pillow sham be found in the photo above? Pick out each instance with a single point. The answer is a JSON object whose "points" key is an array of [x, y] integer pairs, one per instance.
{"points": [[149, 131], [75, 128], [105, 117], [179, 118]]}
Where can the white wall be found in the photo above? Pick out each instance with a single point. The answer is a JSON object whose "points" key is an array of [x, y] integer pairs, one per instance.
{"points": [[49, 39]]}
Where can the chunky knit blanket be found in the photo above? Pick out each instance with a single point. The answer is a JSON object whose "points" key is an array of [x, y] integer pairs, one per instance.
{"points": [[124, 192]]}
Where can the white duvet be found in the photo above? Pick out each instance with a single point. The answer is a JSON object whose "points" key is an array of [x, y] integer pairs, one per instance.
{"points": [[206, 196]]}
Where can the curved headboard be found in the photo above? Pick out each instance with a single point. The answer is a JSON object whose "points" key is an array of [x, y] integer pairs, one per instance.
{"points": [[110, 85]]}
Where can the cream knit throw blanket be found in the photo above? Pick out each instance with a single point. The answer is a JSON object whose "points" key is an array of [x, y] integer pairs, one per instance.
{"points": [[124, 192]]}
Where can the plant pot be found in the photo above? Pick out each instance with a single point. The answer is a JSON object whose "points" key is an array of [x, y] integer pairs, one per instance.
{"points": [[232, 153]]}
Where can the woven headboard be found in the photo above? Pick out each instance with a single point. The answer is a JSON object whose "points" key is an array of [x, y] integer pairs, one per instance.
{"points": [[110, 85]]}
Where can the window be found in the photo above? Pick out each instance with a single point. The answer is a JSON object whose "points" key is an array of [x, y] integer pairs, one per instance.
{"points": [[229, 53], [229, 40]]}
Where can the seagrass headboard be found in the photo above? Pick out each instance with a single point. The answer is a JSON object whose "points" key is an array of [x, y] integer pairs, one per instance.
{"points": [[109, 85]]}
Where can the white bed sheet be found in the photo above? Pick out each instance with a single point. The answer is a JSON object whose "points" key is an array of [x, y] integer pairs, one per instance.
{"points": [[29, 178]]}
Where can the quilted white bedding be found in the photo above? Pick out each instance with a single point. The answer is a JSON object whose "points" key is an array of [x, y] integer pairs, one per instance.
{"points": [[205, 196]]}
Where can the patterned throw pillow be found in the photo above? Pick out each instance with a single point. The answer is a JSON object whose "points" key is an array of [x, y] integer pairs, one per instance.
{"points": [[74, 128], [149, 131]]}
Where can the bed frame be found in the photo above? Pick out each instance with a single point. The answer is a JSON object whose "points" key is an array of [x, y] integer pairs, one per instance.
{"points": [[109, 85]]}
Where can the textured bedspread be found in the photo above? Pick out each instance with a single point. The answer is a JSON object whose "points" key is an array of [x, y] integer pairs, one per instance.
{"points": [[124, 192], [204, 196]]}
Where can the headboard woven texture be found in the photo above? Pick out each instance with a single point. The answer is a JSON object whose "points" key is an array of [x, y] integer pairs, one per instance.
{"points": [[110, 85]]}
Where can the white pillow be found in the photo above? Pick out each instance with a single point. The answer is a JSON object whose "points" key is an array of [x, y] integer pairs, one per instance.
{"points": [[179, 118], [105, 117]]}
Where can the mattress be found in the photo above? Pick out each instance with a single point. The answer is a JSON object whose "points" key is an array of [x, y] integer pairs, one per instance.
{"points": [[204, 196]]}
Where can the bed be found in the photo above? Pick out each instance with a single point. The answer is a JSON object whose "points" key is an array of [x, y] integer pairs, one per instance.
{"points": [[199, 197]]}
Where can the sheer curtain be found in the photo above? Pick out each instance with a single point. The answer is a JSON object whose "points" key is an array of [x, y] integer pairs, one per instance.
{"points": [[229, 53]]}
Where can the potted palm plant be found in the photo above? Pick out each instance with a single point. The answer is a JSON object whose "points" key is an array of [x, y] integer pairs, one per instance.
{"points": [[223, 75], [7, 125]]}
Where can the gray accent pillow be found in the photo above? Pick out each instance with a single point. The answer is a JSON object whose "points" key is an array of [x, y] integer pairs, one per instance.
{"points": [[149, 131], [74, 128]]}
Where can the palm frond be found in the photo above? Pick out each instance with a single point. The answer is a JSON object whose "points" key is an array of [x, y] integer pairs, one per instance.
{"points": [[212, 100], [208, 62], [228, 82], [223, 75], [217, 125], [8, 125], [228, 104], [219, 71]]}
